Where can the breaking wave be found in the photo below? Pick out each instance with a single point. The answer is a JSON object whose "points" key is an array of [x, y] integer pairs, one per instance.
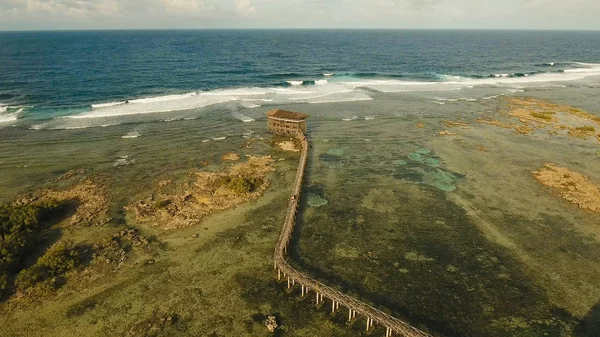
{"points": [[347, 87]]}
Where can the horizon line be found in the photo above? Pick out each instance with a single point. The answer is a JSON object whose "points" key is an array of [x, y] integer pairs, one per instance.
{"points": [[295, 29]]}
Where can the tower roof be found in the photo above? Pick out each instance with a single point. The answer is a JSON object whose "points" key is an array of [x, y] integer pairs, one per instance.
{"points": [[287, 114]]}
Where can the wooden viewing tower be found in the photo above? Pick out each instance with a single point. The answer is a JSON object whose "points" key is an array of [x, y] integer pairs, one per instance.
{"points": [[286, 123]]}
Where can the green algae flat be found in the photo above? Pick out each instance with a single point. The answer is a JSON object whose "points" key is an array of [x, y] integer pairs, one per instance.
{"points": [[433, 162], [445, 181], [399, 162], [423, 151], [418, 157], [336, 152], [315, 200]]}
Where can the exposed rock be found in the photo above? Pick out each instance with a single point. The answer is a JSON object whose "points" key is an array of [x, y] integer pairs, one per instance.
{"points": [[204, 193], [454, 124], [535, 114], [165, 182], [420, 125], [447, 133], [92, 202], [572, 186], [582, 131], [271, 323], [70, 174], [230, 156], [522, 129], [115, 249], [288, 145]]}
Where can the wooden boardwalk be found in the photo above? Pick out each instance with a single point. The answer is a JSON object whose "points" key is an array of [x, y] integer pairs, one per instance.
{"points": [[320, 290]]}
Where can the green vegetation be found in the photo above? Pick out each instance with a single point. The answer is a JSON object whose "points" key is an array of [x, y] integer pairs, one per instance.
{"points": [[240, 185], [20, 229], [586, 128], [50, 268], [546, 115]]}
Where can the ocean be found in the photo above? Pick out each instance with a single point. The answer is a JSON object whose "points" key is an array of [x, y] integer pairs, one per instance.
{"points": [[421, 197], [88, 76]]}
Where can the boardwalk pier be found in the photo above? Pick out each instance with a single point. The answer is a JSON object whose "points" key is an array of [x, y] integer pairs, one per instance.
{"points": [[322, 291]]}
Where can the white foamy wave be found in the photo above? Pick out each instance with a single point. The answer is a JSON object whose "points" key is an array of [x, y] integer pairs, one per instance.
{"points": [[156, 104], [250, 105], [295, 83], [7, 118], [219, 138], [369, 118], [106, 105], [123, 161], [243, 118], [550, 64], [131, 135], [3, 108], [321, 82], [166, 98], [327, 75], [353, 118]]}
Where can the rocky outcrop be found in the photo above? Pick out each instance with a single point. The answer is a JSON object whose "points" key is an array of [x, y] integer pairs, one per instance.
{"points": [[204, 193], [271, 323], [571, 186], [90, 198], [230, 156]]}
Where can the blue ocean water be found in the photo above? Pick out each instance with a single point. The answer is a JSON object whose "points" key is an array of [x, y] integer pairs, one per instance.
{"points": [[44, 75]]}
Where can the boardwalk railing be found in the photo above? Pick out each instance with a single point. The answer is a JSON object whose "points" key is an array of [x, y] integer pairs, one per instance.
{"points": [[285, 270]]}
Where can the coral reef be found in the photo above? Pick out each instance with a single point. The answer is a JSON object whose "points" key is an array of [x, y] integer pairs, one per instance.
{"points": [[288, 145], [230, 156], [205, 193], [92, 202], [572, 186], [455, 124], [535, 114]]}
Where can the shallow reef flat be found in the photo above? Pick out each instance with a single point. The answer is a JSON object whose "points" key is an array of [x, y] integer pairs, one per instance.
{"points": [[454, 232], [461, 233]]}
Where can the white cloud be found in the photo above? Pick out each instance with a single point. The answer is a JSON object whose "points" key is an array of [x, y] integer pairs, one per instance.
{"points": [[108, 7], [186, 6], [244, 8], [487, 14]]}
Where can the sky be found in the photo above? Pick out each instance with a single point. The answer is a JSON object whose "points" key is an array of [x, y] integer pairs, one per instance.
{"points": [[217, 14]]}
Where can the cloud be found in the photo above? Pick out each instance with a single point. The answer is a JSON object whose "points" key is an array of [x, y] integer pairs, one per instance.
{"points": [[189, 7], [60, 8], [457, 14], [244, 8]]}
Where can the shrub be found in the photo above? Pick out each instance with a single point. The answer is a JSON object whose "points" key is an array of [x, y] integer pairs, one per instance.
{"points": [[58, 260], [240, 185], [20, 229]]}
